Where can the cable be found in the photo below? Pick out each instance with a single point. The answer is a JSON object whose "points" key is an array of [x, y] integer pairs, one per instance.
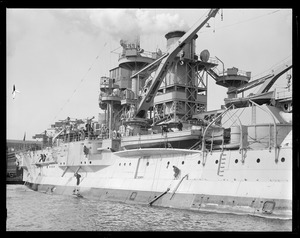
{"points": [[278, 64], [251, 19], [200, 18], [80, 82], [273, 66], [231, 116]]}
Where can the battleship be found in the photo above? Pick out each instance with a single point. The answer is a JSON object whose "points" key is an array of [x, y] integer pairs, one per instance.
{"points": [[156, 143]]}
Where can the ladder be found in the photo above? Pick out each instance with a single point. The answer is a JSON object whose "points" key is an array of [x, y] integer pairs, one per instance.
{"points": [[221, 166]]}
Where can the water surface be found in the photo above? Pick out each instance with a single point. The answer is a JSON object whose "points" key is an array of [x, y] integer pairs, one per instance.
{"points": [[34, 211]]}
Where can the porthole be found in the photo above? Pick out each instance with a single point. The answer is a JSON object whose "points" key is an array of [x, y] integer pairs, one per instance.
{"points": [[84, 162], [199, 161], [129, 164], [282, 159], [236, 161], [90, 162], [81, 162], [182, 162], [119, 164], [216, 161], [168, 163], [147, 163], [124, 164], [258, 160]]}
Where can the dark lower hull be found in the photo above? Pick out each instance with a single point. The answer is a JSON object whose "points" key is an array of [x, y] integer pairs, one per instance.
{"points": [[15, 180], [269, 208]]}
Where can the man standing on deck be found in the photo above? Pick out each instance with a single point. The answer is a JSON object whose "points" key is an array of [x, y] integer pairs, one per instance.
{"points": [[179, 126]]}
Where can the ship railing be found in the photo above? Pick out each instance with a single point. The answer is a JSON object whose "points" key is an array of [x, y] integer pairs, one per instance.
{"points": [[147, 54], [75, 136], [239, 73], [172, 84], [208, 126]]}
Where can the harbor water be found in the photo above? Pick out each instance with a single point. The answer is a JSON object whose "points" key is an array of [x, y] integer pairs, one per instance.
{"points": [[34, 211]]}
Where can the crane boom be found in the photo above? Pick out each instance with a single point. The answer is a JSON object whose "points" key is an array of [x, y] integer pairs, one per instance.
{"points": [[250, 85], [166, 62], [277, 73], [267, 80]]}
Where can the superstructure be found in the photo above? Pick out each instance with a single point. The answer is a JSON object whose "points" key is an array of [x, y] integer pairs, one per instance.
{"points": [[155, 142]]}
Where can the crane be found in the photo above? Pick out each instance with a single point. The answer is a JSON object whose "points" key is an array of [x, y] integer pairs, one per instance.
{"points": [[267, 80], [166, 62]]}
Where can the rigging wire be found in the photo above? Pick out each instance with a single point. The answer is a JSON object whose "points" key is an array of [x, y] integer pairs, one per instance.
{"points": [[197, 22], [231, 116], [279, 63], [247, 20], [80, 82], [113, 51]]}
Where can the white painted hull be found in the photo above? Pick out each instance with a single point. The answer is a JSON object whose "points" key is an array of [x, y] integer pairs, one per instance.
{"points": [[233, 186]]}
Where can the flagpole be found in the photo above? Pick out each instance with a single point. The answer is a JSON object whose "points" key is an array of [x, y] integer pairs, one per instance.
{"points": [[24, 138]]}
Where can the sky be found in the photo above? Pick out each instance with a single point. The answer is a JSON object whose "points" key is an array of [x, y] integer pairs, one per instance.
{"points": [[55, 57]]}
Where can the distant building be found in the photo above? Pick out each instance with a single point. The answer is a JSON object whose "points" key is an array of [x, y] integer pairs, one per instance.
{"points": [[15, 145], [14, 173]]}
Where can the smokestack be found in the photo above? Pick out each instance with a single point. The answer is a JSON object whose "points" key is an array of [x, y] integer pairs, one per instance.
{"points": [[188, 50], [172, 37]]}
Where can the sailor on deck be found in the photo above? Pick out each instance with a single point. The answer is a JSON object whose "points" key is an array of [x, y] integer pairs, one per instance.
{"points": [[176, 172]]}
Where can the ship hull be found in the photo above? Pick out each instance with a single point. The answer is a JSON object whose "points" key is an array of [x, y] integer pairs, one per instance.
{"points": [[249, 182], [243, 205]]}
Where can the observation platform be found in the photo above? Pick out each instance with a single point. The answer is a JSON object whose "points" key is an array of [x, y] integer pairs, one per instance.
{"points": [[132, 59]]}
